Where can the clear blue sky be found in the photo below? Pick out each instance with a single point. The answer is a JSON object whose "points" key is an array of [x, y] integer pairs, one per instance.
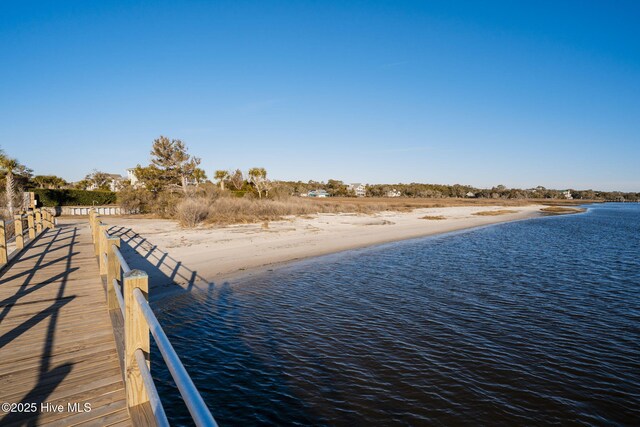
{"points": [[481, 93]]}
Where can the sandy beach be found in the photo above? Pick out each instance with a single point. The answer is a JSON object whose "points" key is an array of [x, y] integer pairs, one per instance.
{"points": [[192, 257]]}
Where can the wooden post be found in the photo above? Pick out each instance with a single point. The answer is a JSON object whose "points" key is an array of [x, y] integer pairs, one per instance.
{"points": [[136, 336], [91, 223], [31, 225], [45, 218], [52, 220], [32, 200], [96, 228], [17, 223], [102, 246], [3, 243], [113, 272], [38, 221]]}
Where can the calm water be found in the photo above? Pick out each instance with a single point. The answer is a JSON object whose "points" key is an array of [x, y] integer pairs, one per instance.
{"points": [[523, 323]]}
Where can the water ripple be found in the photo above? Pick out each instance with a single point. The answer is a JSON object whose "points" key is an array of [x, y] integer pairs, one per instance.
{"points": [[524, 323]]}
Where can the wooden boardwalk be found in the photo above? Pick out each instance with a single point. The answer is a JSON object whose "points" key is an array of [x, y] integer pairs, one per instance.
{"points": [[57, 342]]}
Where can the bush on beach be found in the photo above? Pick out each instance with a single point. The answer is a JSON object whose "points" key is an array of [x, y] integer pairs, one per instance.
{"points": [[192, 211]]}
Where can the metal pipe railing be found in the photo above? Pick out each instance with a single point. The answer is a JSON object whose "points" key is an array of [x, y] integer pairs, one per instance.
{"points": [[192, 398], [119, 297], [125, 289], [154, 398], [123, 264]]}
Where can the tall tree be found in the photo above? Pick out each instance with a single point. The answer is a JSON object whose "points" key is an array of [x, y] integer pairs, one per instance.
{"points": [[49, 181], [11, 167], [221, 176], [200, 176], [258, 177], [171, 164], [237, 179], [100, 180]]}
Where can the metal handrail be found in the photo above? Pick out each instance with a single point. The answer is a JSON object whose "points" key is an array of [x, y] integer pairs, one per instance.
{"points": [[190, 395], [121, 260], [119, 297], [152, 392]]}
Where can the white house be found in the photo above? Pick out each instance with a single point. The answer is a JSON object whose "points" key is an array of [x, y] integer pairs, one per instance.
{"points": [[567, 194], [131, 176], [360, 190], [393, 193]]}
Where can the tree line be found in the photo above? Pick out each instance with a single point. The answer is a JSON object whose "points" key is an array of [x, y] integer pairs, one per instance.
{"points": [[173, 173]]}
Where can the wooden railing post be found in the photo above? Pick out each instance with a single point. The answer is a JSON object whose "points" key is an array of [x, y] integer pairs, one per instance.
{"points": [[17, 223], [38, 221], [52, 220], [96, 229], [45, 218], [31, 225], [3, 243], [136, 336], [91, 223], [102, 246], [113, 272]]}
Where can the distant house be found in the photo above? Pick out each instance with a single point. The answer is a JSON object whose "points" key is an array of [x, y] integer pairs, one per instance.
{"points": [[131, 176], [317, 193], [393, 193], [360, 190], [470, 195], [567, 194]]}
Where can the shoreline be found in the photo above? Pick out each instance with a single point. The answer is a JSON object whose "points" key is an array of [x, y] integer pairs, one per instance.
{"points": [[229, 254]]}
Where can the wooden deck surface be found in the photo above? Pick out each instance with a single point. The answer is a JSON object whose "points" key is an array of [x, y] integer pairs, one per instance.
{"points": [[57, 342]]}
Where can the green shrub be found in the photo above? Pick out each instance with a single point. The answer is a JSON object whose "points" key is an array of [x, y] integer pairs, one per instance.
{"points": [[53, 198]]}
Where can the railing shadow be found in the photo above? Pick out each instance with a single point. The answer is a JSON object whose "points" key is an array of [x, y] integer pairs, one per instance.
{"points": [[167, 276], [48, 378]]}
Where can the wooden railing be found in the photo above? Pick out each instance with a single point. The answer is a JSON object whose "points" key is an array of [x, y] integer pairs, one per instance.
{"points": [[127, 295], [22, 230]]}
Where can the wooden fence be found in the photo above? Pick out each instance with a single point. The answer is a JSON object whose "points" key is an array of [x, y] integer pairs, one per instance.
{"points": [[127, 299], [21, 231]]}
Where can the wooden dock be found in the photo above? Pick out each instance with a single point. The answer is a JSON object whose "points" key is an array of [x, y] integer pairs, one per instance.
{"points": [[57, 345]]}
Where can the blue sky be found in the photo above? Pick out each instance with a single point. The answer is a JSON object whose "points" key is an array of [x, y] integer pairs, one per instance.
{"points": [[481, 93]]}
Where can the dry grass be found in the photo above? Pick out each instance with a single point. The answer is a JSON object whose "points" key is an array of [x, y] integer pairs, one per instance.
{"points": [[433, 217], [495, 213], [191, 212], [228, 210], [231, 210], [559, 210]]}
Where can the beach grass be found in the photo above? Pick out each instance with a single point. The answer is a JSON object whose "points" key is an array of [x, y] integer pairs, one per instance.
{"points": [[561, 210], [433, 217], [495, 213]]}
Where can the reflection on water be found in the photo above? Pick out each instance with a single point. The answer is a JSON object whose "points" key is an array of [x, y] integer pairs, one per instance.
{"points": [[521, 323]]}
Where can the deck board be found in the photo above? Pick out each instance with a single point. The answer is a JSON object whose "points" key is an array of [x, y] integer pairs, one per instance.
{"points": [[57, 342]]}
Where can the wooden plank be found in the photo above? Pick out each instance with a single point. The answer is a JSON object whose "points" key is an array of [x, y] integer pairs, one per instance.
{"points": [[57, 342]]}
